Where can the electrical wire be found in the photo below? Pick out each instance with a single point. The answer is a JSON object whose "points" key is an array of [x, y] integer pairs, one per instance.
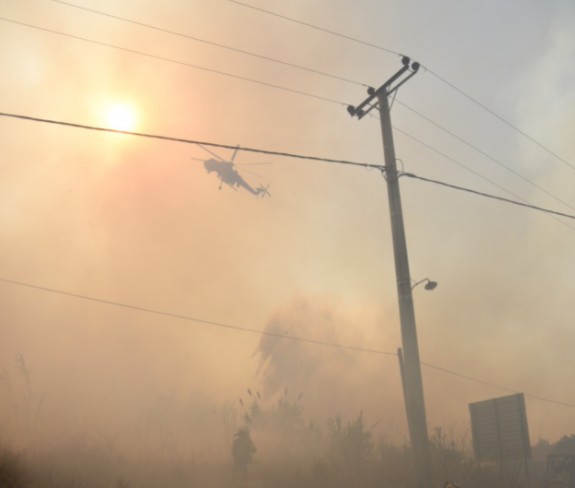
{"points": [[275, 153], [191, 141], [211, 43], [455, 161], [380, 167], [280, 87], [431, 72], [487, 383], [500, 118], [472, 171], [485, 154], [300, 22], [488, 195], [284, 336], [189, 318], [277, 335], [275, 60], [175, 61]]}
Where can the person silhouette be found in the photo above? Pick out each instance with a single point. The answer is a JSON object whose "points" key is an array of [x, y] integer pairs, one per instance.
{"points": [[243, 449]]}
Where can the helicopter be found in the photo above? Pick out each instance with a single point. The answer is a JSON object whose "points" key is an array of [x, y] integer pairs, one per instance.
{"points": [[227, 174]]}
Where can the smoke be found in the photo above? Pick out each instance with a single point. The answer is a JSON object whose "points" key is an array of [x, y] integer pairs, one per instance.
{"points": [[331, 380], [135, 222]]}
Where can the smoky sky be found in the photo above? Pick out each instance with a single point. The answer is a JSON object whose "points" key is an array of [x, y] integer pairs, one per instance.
{"points": [[140, 223]]}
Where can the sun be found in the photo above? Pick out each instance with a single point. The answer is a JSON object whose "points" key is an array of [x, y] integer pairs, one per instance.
{"points": [[122, 117]]}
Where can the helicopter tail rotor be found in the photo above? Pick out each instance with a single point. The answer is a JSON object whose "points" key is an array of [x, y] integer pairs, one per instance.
{"points": [[263, 191]]}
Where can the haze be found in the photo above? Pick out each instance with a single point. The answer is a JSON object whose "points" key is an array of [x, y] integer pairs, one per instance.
{"points": [[140, 223]]}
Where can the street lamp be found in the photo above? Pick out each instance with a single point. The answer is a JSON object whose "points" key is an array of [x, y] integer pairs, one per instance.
{"points": [[430, 285]]}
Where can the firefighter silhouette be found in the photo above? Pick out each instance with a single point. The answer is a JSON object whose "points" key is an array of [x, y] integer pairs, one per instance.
{"points": [[243, 449]]}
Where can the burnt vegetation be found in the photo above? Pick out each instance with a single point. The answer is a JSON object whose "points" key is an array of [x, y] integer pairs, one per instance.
{"points": [[291, 451], [177, 444]]}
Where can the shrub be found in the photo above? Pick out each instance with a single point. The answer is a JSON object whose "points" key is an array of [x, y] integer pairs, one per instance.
{"points": [[12, 473]]}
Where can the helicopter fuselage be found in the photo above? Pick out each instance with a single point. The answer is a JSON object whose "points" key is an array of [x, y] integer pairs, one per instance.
{"points": [[228, 175]]}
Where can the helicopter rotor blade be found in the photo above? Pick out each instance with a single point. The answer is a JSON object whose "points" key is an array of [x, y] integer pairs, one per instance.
{"points": [[253, 164], [235, 153], [251, 173], [211, 152]]}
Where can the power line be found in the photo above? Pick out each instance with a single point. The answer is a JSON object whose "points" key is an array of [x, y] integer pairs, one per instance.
{"points": [[170, 60], [500, 118], [273, 153], [433, 73], [487, 383], [211, 43], [239, 328], [485, 154], [189, 318], [296, 21], [277, 87], [292, 65], [455, 161], [183, 317], [472, 171], [488, 195], [191, 141]]}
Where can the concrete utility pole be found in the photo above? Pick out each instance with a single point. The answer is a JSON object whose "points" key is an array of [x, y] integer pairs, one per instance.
{"points": [[411, 375]]}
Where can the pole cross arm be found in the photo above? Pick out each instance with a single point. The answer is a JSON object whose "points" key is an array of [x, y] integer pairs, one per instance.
{"points": [[364, 107]]}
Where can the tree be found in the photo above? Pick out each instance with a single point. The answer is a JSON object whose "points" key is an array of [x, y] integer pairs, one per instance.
{"points": [[564, 446]]}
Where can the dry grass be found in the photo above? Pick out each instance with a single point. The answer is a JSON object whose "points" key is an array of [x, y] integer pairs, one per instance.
{"points": [[90, 466], [177, 451]]}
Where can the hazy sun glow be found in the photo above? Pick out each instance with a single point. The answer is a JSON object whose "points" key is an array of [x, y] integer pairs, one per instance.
{"points": [[122, 117]]}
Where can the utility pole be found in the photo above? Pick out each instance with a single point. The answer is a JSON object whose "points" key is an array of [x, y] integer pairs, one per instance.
{"points": [[411, 366]]}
